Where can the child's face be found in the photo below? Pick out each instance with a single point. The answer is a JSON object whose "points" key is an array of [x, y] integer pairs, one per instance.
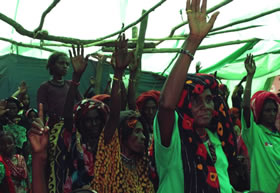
{"points": [[7, 147], [61, 66]]}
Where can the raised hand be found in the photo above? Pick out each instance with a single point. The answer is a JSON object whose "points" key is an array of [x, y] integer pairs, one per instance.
{"points": [[92, 81], [133, 66], [79, 63], [38, 135], [197, 17], [250, 64], [122, 58], [22, 87]]}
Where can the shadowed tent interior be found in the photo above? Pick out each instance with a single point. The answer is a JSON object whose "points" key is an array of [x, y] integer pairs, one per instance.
{"points": [[251, 26]]}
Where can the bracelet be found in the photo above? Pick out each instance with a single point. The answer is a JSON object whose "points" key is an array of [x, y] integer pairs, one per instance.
{"points": [[187, 52], [116, 79], [75, 83]]}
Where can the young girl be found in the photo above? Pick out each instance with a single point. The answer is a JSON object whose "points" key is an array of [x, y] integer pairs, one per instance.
{"points": [[14, 166]]}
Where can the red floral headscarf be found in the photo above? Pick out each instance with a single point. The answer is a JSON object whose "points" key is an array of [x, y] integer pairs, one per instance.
{"points": [[257, 101]]}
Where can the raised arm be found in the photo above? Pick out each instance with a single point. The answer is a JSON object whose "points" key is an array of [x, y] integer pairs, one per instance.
{"points": [[237, 87], [250, 68], [199, 28], [133, 67], [79, 64], [22, 89], [39, 138], [123, 96], [91, 85], [122, 59], [107, 88]]}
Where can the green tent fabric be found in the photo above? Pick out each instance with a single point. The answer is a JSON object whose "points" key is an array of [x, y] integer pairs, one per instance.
{"points": [[14, 69]]}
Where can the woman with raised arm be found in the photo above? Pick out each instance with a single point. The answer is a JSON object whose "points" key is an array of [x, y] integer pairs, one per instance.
{"points": [[193, 134], [121, 160], [260, 134], [88, 120]]}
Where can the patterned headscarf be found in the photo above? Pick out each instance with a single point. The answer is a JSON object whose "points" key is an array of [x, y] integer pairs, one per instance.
{"points": [[257, 102], [199, 171], [142, 99], [82, 171]]}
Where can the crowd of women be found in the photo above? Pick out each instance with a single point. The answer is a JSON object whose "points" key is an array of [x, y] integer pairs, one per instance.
{"points": [[183, 139]]}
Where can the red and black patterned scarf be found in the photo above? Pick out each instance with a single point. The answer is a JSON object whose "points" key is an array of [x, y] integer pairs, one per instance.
{"points": [[199, 171]]}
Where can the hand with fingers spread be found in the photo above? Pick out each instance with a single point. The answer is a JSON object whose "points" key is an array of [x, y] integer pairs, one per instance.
{"points": [[122, 58], [197, 17], [79, 62], [22, 87], [250, 64], [38, 135]]}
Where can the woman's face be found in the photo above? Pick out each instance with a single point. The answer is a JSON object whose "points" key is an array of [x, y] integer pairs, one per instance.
{"points": [[136, 141], [202, 107], [269, 113], [61, 66], [92, 124], [149, 110], [7, 147]]}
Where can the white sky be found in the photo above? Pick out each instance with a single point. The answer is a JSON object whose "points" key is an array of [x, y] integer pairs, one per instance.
{"points": [[88, 19]]}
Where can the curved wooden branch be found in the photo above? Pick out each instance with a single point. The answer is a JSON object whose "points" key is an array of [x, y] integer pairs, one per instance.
{"points": [[107, 43], [234, 30], [45, 36], [246, 19], [41, 36], [26, 45], [175, 50], [54, 3]]}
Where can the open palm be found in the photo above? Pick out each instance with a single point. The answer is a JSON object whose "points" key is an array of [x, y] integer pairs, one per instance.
{"points": [[122, 58], [79, 62], [199, 27], [250, 64]]}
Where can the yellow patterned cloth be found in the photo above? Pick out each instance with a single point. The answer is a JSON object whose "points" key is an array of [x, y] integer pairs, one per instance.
{"points": [[111, 175]]}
